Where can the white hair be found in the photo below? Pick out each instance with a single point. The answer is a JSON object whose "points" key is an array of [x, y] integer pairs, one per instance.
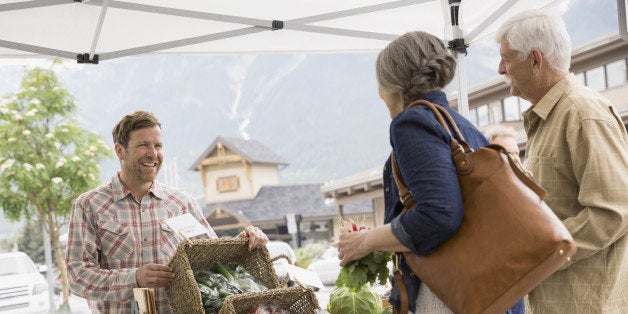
{"points": [[535, 29], [500, 131]]}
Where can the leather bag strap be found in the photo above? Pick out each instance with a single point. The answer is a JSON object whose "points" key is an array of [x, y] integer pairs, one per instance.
{"points": [[459, 151], [403, 293]]}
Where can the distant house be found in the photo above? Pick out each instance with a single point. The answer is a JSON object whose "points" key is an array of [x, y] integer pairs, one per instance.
{"points": [[241, 186]]}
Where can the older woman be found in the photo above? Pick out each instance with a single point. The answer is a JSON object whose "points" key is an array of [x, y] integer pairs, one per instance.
{"points": [[416, 66]]}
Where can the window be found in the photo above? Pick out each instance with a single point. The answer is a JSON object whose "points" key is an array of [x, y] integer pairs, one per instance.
{"points": [[483, 115], [596, 79], [511, 109], [227, 184], [616, 73], [580, 78], [496, 114], [473, 116]]}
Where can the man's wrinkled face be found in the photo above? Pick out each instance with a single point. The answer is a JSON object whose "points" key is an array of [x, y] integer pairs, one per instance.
{"points": [[518, 73], [142, 158]]}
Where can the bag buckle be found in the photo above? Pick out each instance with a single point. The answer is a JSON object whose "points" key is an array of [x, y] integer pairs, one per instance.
{"points": [[395, 260]]}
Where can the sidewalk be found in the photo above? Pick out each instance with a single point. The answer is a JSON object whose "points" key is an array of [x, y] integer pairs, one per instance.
{"points": [[77, 304]]}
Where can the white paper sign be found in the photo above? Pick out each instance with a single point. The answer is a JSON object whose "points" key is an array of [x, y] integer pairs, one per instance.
{"points": [[186, 225], [304, 276]]}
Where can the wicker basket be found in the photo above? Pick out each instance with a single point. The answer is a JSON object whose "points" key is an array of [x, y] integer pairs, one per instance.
{"points": [[185, 296], [297, 299]]}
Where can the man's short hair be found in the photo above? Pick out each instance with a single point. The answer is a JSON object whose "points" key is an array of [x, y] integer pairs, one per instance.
{"points": [[131, 122]]}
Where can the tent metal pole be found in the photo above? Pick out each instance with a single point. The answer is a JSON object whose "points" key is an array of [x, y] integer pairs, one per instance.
{"points": [[459, 47], [31, 4], [37, 49], [461, 72], [490, 20], [358, 11], [101, 20], [339, 31], [180, 43]]}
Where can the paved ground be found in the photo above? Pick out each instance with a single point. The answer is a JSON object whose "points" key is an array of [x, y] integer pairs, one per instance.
{"points": [[323, 297]]}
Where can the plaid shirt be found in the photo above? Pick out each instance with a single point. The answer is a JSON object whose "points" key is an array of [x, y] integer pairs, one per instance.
{"points": [[578, 151], [111, 235]]}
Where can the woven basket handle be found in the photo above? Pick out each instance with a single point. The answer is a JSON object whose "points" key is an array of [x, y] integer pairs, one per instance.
{"points": [[280, 256]]}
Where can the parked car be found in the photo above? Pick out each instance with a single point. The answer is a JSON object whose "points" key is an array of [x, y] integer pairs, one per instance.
{"points": [[22, 288], [276, 248], [327, 267]]}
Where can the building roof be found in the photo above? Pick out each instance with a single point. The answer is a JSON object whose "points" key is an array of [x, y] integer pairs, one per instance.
{"points": [[274, 202], [252, 151]]}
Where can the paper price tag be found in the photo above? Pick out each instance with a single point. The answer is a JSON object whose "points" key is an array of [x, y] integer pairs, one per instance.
{"points": [[186, 225]]}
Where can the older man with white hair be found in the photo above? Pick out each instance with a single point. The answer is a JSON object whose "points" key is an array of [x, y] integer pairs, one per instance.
{"points": [[577, 150]]}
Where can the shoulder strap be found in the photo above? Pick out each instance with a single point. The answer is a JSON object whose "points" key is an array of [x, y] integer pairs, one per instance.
{"points": [[459, 151]]}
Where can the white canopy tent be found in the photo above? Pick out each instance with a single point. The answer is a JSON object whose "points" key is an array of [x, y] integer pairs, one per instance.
{"points": [[98, 30]]}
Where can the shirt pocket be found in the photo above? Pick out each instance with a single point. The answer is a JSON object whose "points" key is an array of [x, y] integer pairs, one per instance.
{"points": [[544, 172], [116, 242], [169, 242]]}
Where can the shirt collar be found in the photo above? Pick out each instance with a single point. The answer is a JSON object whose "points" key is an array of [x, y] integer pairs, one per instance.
{"points": [[436, 97], [120, 191], [549, 101]]}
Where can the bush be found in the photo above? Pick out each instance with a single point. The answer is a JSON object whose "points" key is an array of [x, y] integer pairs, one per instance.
{"points": [[309, 253]]}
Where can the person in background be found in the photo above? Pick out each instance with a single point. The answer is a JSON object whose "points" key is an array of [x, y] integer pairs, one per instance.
{"points": [[416, 65], [505, 136], [577, 150], [117, 236]]}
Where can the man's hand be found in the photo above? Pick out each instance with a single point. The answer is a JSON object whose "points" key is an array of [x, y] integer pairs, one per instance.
{"points": [[154, 276], [257, 238]]}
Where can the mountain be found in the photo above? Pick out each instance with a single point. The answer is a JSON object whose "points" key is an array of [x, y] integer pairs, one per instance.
{"points": [[321, 113]]}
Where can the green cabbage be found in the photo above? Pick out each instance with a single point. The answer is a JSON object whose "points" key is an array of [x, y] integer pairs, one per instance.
{"points": [[345, 300]]}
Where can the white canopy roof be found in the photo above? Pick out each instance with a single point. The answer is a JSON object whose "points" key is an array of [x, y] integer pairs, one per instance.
{"points": [[115, 29], [97, 30]]}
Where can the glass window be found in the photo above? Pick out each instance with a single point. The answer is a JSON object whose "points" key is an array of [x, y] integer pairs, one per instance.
{"points": [[616, 73], [580, 78], [496, 114], [473, 116], [511, 109], [596, 79], [483, 115]]}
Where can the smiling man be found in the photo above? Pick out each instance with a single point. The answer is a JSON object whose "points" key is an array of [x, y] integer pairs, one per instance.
{"points": [[577, 150], [118, 239]]}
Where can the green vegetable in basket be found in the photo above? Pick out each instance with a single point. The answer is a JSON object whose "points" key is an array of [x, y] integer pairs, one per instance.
{"points": [[222, 281], [219, 268], [345, 300]]}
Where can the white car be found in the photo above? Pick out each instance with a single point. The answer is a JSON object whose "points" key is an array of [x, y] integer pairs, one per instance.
{"points": [[22, 288], [327, 267], [276, 248]]}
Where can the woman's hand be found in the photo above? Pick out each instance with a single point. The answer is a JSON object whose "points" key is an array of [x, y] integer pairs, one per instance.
{"points": [[352, 245], [257, 238]]}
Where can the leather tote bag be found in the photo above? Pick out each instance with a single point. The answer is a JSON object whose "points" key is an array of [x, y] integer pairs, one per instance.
{"points": [[509, 240]]}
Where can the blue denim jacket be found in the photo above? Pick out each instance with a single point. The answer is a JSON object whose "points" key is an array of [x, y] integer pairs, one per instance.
{"points": [[423, 152]]}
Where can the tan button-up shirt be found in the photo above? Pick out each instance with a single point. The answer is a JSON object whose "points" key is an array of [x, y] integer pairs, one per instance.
{"points": [[577, 150]]}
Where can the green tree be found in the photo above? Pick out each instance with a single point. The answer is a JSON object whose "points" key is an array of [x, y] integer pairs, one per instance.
{"points": [[31, 241], [46, 158]]}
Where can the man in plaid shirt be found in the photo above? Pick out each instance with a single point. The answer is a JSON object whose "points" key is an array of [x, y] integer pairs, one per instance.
{"points": [[118, 239]]}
